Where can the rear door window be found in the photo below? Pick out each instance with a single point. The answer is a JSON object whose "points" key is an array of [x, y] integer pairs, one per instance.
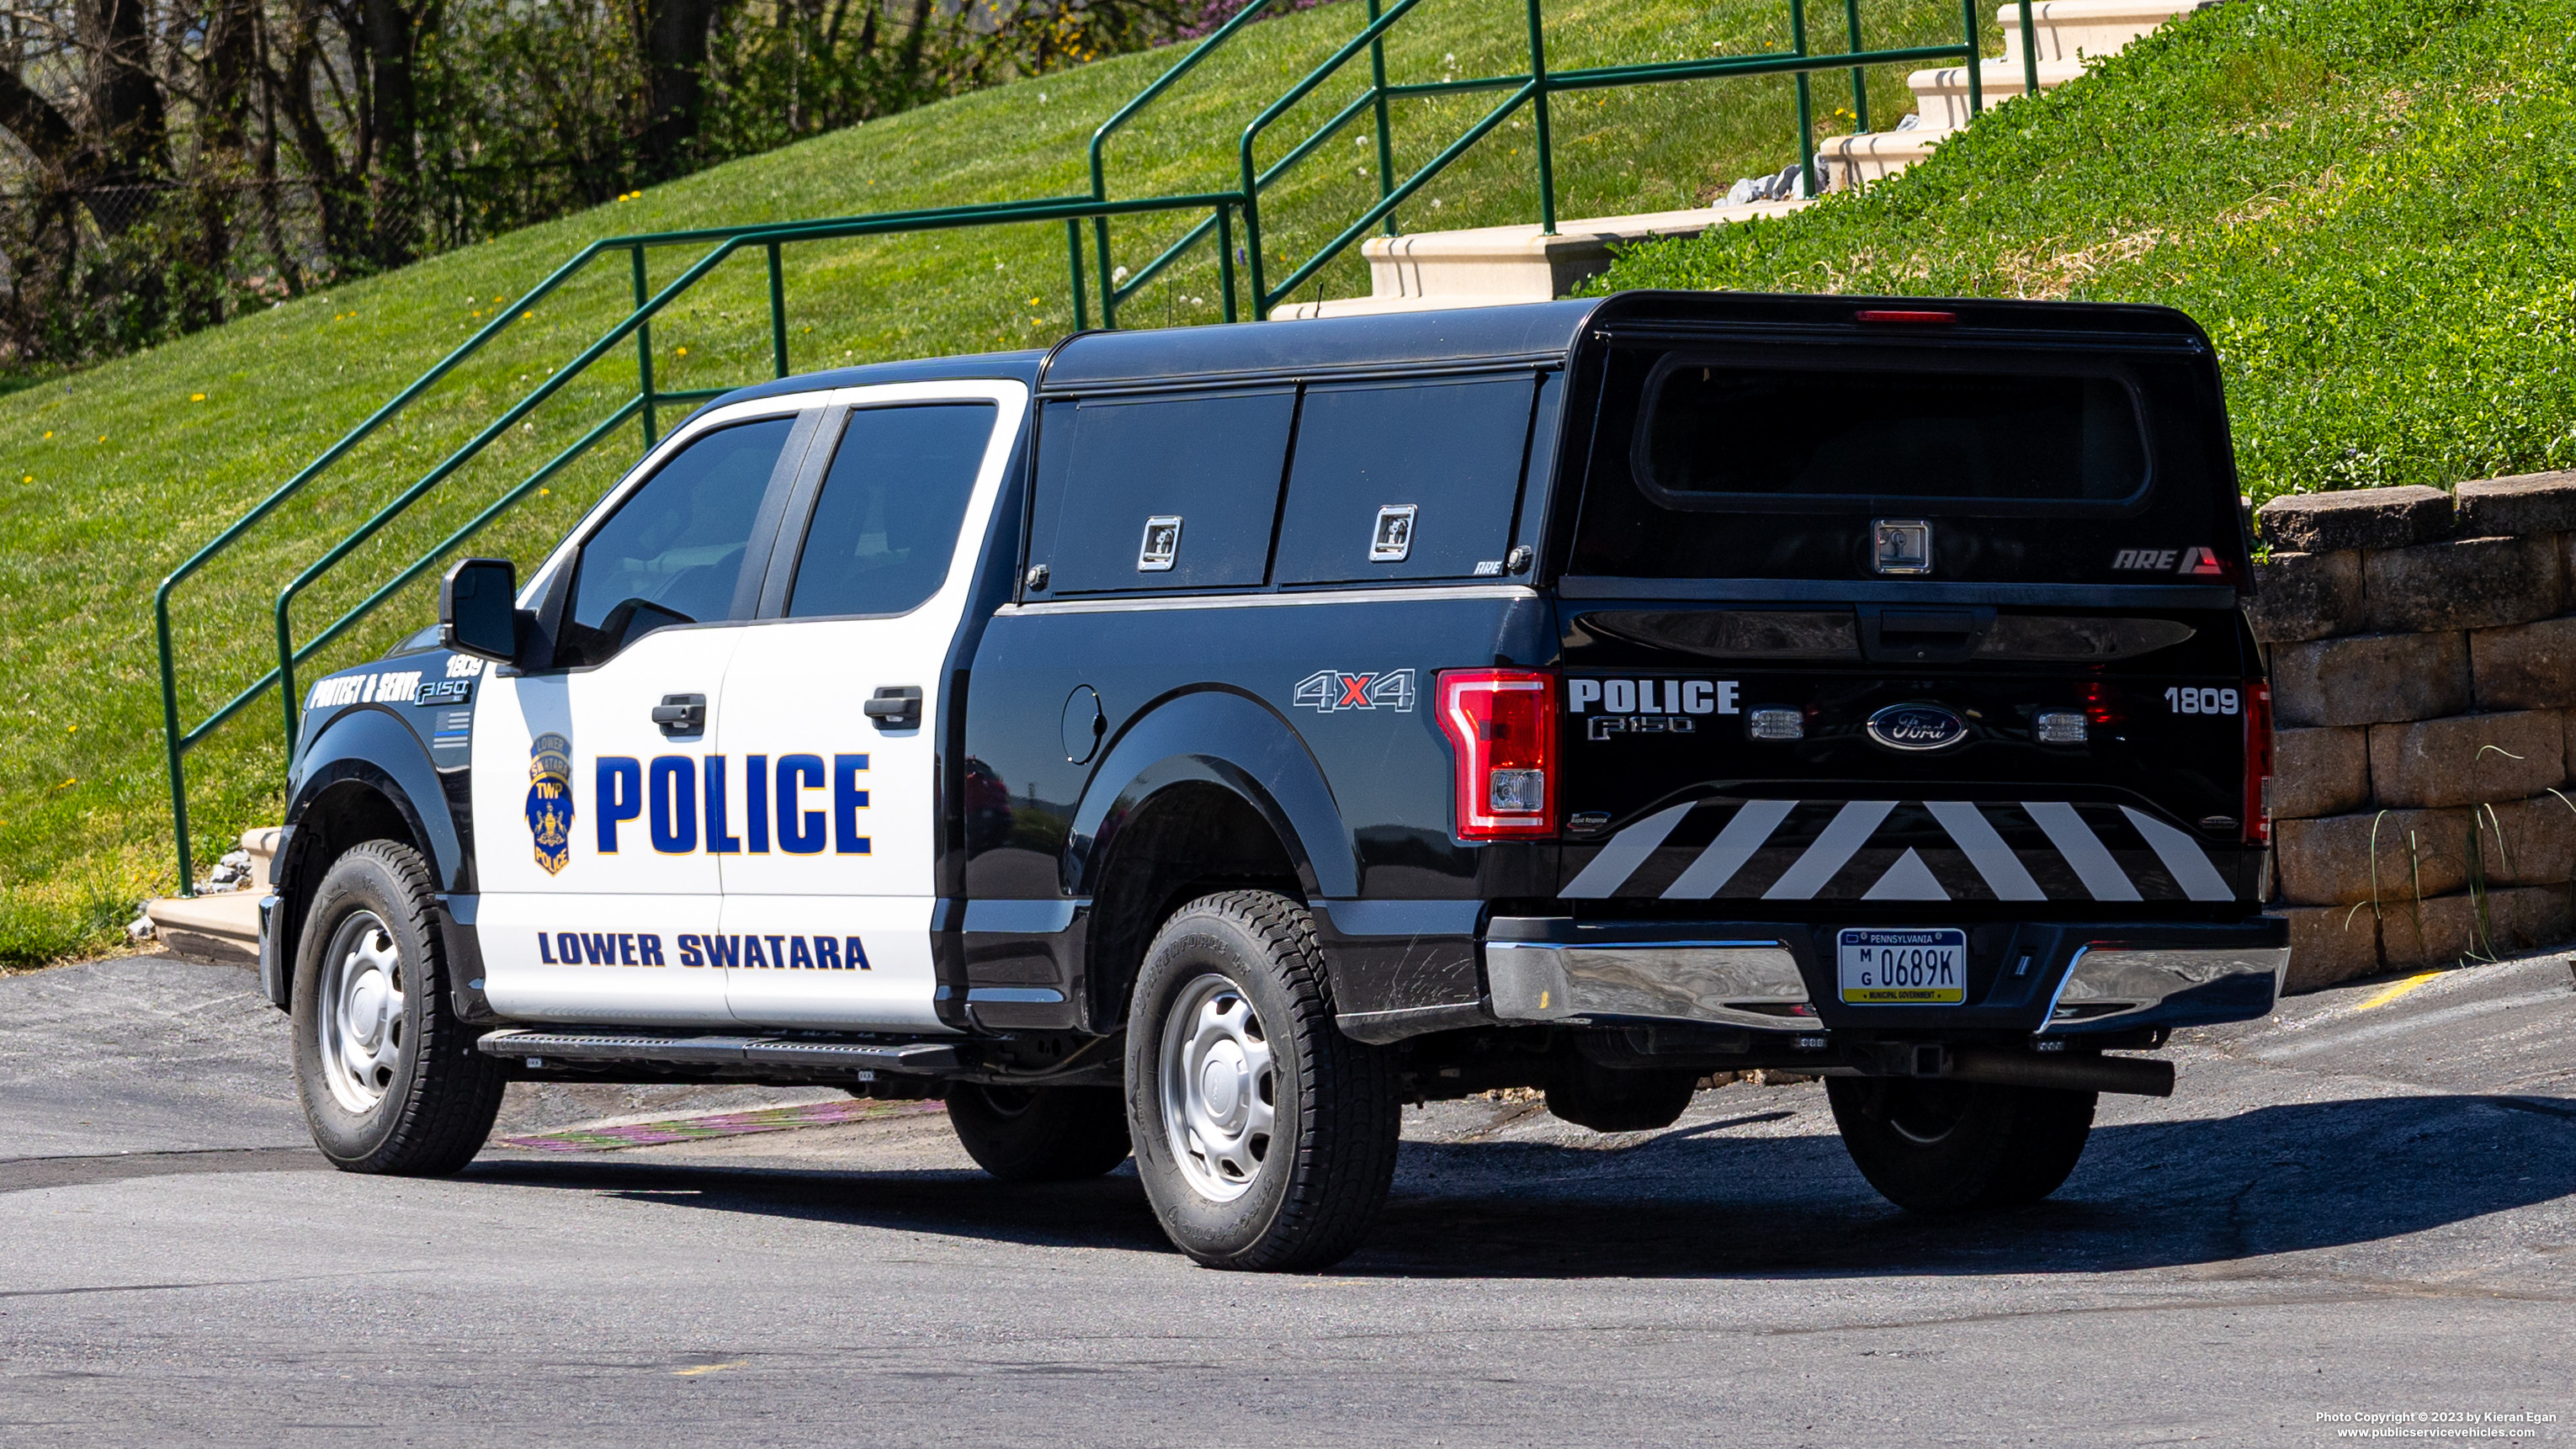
{"points": [[1405, 480], [1165, 493], [885, 526]]}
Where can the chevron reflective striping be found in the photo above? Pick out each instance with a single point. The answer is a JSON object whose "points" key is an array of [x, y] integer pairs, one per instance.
{"points": [[1744, 834], [2005, 875], [1626, 851], [1907, 880], [2083, 850], [1850, 830], [2183, 858]]}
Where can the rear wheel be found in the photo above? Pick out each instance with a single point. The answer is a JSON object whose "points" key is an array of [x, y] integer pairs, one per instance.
{"points": [[1934, 1146], [1265, 1138], [1040, 1134], [390, 1078]]}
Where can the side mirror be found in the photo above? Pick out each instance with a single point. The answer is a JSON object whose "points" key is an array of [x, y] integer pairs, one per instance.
{"points": [[478, 609]]}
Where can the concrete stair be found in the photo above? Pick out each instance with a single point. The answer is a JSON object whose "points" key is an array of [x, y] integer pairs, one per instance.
{"points": [[1492, 266], [223, 926]]}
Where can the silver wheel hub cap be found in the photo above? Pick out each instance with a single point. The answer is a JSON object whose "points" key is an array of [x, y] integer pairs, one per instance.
{"points": [[360, 1014], [1219, 1090]]}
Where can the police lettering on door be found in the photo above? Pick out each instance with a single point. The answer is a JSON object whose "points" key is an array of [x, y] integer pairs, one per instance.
{"points": [[794, 804]]}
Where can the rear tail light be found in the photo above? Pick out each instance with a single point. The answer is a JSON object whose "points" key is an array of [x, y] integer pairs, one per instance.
{"points": [[2258, 762], [1501, 725]]}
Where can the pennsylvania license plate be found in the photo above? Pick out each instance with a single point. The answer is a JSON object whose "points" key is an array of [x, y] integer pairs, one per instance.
{"points": [[1903, 968]]}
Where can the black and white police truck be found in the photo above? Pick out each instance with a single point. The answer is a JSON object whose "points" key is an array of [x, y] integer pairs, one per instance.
{"points": [[1207, 741]]}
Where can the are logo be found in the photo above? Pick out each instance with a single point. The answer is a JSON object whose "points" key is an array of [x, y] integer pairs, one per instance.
{"points": [[550, 800], [1917, 727], [1330, 691], [2194, 562]]}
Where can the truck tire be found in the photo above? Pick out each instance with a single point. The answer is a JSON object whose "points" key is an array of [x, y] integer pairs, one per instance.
{"points": [[1040, 1134], [390, 1078], [1265, 1138], [1946, 1147]]}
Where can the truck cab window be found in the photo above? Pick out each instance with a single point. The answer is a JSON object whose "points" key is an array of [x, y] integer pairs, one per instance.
{"points": [[886, 524], [673, 551]]}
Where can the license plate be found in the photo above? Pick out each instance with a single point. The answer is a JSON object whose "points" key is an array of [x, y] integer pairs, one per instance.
{"points": [[1903, 968]]}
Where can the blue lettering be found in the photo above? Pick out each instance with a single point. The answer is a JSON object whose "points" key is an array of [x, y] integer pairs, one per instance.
{"points": [[847, 801], [797, 955], [723, 950], [545, 949], [751, 952], [675, 804], [858, 958], [755, 801], [800, 831], [568, 947], [618, 787], [689, 953], [827, 953], [602, 950], [718, 842], [777, 957], [626, 949], [652, 950]]}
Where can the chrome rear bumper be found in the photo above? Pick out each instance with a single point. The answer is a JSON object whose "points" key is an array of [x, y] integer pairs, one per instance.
{"points": [[1732, 983], [2118, 986]]}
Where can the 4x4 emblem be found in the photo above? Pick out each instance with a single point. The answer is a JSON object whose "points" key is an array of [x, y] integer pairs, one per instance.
{"points": [[1900, 545], [1329, 691]]}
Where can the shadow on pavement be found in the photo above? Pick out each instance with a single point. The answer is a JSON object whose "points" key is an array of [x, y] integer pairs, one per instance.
{"points": [[2273, 1180]]}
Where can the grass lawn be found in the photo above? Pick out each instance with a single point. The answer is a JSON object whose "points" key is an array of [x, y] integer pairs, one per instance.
{"points": [[110, 477], [2370, 205]]}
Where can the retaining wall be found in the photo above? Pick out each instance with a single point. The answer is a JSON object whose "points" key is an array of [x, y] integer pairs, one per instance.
{"points": [[2423, 652]]}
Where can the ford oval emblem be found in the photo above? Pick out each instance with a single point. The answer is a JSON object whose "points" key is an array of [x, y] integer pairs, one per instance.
{"points": [[1917, 727]]}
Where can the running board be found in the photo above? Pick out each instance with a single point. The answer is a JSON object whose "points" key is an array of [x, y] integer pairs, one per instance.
{"points": [[537, 1048]]}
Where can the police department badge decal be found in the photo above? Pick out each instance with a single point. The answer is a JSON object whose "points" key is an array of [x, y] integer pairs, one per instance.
{"points": [[550, 800]]}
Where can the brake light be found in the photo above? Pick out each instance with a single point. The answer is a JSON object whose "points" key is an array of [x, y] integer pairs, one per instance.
{"points": [[1501, 725], [1916, 317], [2258, 762]]}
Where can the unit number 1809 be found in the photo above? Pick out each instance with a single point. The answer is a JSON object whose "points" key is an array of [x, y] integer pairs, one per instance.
{"points": [[2201, 701]]}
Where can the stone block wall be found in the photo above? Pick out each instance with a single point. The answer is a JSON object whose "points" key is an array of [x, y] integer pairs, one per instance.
{"points": [[2423, 653]]}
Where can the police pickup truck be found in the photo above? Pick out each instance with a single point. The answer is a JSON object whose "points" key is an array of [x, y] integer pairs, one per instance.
{"points": [[1207, 741]]}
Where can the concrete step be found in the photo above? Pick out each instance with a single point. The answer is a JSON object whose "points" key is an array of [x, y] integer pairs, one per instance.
{"points": [[1497, 265], [1846, 163], [214, 928], [262, 845], [2076, 29], [1941, 95]]}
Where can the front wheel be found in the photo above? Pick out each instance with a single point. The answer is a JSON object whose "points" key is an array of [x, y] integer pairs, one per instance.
{"points": [[390, 1078], [1265, 1138], [1934, 1146]]}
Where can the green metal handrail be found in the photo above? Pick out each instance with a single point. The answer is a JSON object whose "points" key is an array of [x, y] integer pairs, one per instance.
{"points": [[1530, 88]]}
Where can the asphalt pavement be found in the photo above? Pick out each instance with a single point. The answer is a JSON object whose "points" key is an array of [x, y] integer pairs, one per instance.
{"points": [[2361, 1207]]}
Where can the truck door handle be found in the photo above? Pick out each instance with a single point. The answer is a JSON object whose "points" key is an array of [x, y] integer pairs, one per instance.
{"points": [[682, 714], [896, 707]]}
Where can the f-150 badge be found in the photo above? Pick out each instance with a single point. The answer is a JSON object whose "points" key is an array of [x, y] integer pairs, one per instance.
{"points": [[1329, 691], [550, 800]]}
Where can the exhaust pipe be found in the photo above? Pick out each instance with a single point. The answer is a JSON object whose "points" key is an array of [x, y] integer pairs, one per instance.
{"points": [[2136, 1076]]}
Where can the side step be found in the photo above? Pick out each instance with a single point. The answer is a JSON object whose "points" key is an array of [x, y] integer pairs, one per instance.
{"points": [[544, 1048]]}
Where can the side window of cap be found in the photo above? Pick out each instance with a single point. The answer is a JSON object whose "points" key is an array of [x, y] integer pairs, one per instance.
{"points": [[673, 552], [1405, 480], [1160, 493]]}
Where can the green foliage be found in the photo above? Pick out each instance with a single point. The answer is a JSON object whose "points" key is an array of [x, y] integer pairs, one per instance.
{"points": [[109, 478], [2368, 204]]}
